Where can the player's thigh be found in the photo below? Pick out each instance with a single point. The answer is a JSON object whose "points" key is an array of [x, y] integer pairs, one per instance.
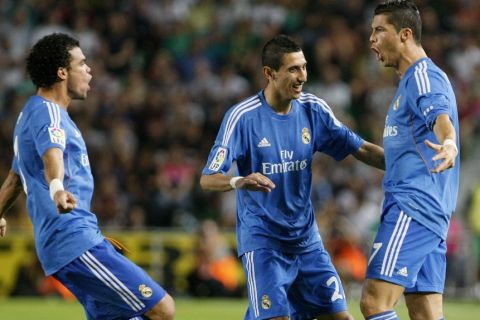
{"points": [[269, 274], [425, 299], [400, 249], [424, 305], [110, 285], [317, 291], [431, 276]]}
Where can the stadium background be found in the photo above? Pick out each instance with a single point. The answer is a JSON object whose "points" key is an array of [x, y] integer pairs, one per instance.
{"points": [[164, 74]]}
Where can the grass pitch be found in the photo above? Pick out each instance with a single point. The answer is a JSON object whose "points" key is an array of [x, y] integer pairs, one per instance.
{"points": [[190, 309]]}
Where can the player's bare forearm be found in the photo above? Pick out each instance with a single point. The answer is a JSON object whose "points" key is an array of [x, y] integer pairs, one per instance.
{"points": [[215, 182], [253, 182], [444, 129], [53, 163], [371, 154], [11, 188], [54, 170]]}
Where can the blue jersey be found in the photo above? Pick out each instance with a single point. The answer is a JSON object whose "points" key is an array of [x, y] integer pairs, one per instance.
{"points": [[280, 147], [430, 198], [59, 238]]}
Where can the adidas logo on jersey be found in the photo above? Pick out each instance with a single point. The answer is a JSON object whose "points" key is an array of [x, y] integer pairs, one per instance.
{"points": [[264, 143], [403, 272]]}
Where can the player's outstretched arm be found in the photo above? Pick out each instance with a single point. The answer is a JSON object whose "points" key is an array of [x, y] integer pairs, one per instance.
{"points": [[371, 154], [447, 150], [54, 172], [11, 188], [219, 182]]}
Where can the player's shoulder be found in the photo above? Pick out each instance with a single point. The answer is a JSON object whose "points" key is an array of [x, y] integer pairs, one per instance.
{"points": [[46, 108], [313, 103], [426, 77], [245, 108], [426, 67], [42, 110], [37, 104]]}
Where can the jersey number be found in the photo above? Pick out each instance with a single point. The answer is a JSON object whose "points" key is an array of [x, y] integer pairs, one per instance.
{"points": [[336, 295], [376, 247]]}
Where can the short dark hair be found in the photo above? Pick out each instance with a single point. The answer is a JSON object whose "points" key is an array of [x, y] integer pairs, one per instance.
{"points": [[47, 55], [274, 49], [402, 14]]}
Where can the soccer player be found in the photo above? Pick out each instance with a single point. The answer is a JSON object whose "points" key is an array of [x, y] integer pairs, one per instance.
{"points": [[421, 179], [51, 166], [272, 137]]}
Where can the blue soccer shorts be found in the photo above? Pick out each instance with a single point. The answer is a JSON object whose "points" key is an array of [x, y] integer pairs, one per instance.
{"points": [[110, 286], [301, 286], [408, 254]]}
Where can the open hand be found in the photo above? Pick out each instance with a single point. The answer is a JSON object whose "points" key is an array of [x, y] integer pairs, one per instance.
{"points": [[447, 152]]}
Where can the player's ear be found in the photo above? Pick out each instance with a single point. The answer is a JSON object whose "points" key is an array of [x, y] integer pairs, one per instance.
{"points": [[405, 33], [269, 73], [62, 73]]}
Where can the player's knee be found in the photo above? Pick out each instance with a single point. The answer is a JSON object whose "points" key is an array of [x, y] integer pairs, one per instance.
{"points": [[164, 310], [343, 316]]}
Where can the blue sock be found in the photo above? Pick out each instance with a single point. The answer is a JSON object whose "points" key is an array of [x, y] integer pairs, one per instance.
{"points": [[387, 315]]}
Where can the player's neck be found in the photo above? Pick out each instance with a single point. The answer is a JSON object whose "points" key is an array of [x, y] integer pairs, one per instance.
{"points": [[56, 94], [411, 55], [278, 105]]}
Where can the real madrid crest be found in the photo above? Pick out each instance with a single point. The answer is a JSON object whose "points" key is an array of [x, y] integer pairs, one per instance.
{"points": [[306, 137], [266, 303], [145, 291], [397, 103]]}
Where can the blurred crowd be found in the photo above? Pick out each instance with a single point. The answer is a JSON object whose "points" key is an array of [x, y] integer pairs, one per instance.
{"points": [[165, 72]]}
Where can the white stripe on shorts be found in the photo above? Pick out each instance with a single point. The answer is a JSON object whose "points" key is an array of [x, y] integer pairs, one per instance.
{"points": [[252, 283], [111, 281], [394, 244]]}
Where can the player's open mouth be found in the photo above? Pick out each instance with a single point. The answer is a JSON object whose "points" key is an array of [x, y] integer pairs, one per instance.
{"points": [[377, 53], [298, 88]]}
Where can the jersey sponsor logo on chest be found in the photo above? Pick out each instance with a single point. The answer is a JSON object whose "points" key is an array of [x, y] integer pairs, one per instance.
{"points": [[287, 164], [389, 130]]}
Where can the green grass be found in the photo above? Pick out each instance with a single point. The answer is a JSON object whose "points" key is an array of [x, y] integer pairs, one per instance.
{"points": [[189, 309]]}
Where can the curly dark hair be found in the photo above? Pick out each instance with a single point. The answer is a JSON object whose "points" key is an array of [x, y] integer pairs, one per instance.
{"points": [[274, 50], [47, 55]]}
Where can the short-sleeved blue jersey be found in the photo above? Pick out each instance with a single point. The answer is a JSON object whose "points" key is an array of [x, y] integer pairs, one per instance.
{"points": [[59, 238], [423, 94], [280, 147]]}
